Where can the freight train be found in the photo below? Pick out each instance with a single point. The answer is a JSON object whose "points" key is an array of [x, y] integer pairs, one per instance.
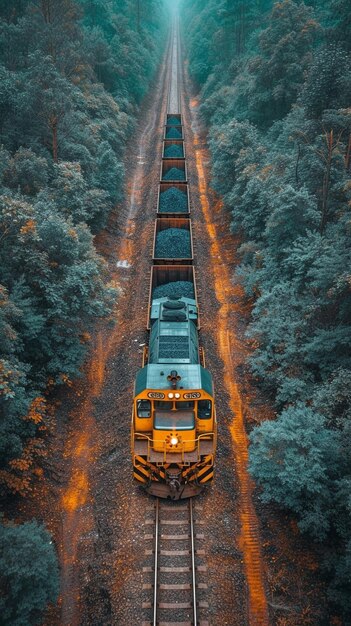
{"points": [[174, 426]]}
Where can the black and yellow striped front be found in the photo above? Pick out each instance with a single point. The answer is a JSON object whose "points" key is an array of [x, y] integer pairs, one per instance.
{"points": [[158, 479]]}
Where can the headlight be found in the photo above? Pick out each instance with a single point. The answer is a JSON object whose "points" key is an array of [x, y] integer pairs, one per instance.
{"points": [[177, 395], [171, 395], [174, 441]]}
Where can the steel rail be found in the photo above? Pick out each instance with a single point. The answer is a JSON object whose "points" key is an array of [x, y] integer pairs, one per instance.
{"points": [[157, 512], [170, 69], [174, 74], [175, 60], [193, 568], [178, 64]]}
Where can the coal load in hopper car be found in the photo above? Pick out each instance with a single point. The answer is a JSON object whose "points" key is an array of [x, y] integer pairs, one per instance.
{"points": [[173, 241], [173, 198]]}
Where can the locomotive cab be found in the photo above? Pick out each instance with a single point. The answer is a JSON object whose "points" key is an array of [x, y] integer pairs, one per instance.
{"points": [[174, 424]]}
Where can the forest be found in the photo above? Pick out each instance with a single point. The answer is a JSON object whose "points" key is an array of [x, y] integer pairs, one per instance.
{"points": [[274, 84], [72, 77]]}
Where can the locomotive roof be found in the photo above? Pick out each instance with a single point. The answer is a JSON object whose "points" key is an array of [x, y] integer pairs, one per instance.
{"points": [[154, 376], [173, 342]]}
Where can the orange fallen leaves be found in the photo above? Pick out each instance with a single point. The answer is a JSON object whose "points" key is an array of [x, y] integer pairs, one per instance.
{"points": [[28, 227]]}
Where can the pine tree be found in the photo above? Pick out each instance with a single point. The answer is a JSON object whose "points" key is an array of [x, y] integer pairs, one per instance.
{"points": [[29, 573], [293, 458]]}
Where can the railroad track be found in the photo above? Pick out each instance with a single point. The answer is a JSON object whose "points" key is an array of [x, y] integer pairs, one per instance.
{"points": [[175, 574], [176, 570], [173, 98]]}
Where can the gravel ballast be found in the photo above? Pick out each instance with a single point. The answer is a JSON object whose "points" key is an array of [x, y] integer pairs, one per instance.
{"points": [[173, 201], [173, 243], [174, 174], [177, 289]]}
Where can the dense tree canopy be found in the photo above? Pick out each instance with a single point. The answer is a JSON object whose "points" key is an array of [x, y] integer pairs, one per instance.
{"points": [[72, 76], [277, 102], [28, 573]]}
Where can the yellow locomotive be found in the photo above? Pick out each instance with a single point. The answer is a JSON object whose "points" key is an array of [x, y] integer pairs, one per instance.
{"points": [[174, 427]]}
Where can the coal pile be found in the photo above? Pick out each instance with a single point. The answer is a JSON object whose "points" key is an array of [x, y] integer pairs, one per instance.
{"points": [[177, 289], [174, 151], [173, 133], [173, 243], [174, 174], [173, 121], [173, 201]]}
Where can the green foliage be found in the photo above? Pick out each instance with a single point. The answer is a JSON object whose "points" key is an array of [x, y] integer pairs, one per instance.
{"points": [[328, 85], [27, 172], [284, 52], [294, 458], [14, 403], [231, 144], [109, 170], [55, 280], [279, 135], [29, 575], [341, 16], [268, 80], [293, 214]]}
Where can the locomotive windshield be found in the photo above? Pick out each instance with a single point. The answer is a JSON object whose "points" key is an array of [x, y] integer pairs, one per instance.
{"points": [[164, 405], [174, 420], [184, 405]]}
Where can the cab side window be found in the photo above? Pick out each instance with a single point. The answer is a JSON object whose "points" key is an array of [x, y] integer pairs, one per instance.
{"points": [[144, 408], [204, 409]]}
